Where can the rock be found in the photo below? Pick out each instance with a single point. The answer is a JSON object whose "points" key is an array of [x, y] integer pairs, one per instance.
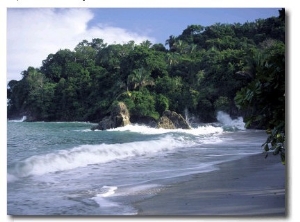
{"points": [[172, 120], [105, 123], [144, 120], [119, 117], [165, 123]]}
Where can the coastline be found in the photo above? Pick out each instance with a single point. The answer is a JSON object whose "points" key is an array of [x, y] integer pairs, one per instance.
{"points": [[251, 186]]}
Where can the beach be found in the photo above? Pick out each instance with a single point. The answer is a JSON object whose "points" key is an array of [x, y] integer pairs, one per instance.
{"points": [[251, 186], [67, 169]]}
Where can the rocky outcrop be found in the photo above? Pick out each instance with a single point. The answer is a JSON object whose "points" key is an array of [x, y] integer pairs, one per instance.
{"points": [[144, 120], [172, 120], [119, 116]]}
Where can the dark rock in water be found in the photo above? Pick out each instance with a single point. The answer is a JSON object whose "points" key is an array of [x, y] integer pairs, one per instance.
{"points": [[144, 120], [165, 123], [172, 120], [104, 124], [119, 116]]}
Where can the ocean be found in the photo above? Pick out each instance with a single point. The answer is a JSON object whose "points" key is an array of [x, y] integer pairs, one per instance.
{"points": [[64, 168]]}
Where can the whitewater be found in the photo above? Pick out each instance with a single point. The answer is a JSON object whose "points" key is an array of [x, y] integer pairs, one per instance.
{"points": [[64, 168]]}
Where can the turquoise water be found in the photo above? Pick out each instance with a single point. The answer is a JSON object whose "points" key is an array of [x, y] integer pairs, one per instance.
{"points": [[64, 168]]}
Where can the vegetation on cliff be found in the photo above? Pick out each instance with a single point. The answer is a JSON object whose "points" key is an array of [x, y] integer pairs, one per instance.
{"points": [[236, 68]]}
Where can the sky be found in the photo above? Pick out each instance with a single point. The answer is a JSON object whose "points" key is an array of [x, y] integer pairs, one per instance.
{"points": [[34, 33]]}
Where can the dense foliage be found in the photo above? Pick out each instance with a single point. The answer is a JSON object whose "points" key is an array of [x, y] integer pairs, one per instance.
{"points": [[263, 99], [237, 68]]}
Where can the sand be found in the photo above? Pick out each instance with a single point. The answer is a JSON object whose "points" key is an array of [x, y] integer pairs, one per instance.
{"points": [[251, 186]]}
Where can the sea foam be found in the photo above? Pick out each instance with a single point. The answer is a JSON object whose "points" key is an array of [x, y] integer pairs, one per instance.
{"points": [[200, 130], [101, 200], [84, 155], [18, 120], [11, 178], [227, 121]]}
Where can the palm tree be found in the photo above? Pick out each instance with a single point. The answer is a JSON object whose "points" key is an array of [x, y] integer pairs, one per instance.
{"points": [[146, 44], [193, 47], [253, 63], [140, 78], [171, 42], [173, 58]]}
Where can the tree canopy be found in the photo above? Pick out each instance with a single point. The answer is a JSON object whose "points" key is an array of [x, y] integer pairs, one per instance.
{"points": [[237, 68]]}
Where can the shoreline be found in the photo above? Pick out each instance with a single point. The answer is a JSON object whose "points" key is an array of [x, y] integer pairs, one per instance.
{"points": [[250, 186]]}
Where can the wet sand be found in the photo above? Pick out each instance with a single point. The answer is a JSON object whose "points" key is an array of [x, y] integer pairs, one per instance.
{"points": [[251, 186]]}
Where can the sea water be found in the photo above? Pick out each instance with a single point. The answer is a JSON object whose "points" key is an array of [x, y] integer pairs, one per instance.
{"points": [[64, 168]]}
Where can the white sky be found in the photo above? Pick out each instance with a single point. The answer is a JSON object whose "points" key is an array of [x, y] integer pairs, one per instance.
{"points": [[32, 34]]}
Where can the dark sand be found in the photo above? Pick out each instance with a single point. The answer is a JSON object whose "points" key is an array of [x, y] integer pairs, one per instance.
{"points": [[250, 186]]}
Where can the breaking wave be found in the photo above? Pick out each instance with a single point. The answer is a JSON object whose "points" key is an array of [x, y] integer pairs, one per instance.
{"points": [[18, 120], [84, 155], [229, 123], [200, 130]]}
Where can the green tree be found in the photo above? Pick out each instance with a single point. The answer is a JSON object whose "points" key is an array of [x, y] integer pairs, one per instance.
{"points": [[144, 104], [171, 88], [162, 103], [139, 78], [17, 94], [39, 103], [202, 70], [263, 99], [170, 42], [146, 44], [173, 58]]}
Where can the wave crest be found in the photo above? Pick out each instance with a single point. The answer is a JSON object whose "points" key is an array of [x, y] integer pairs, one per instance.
{"points": [[198, 131], [91, 154], [230, 123]]}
